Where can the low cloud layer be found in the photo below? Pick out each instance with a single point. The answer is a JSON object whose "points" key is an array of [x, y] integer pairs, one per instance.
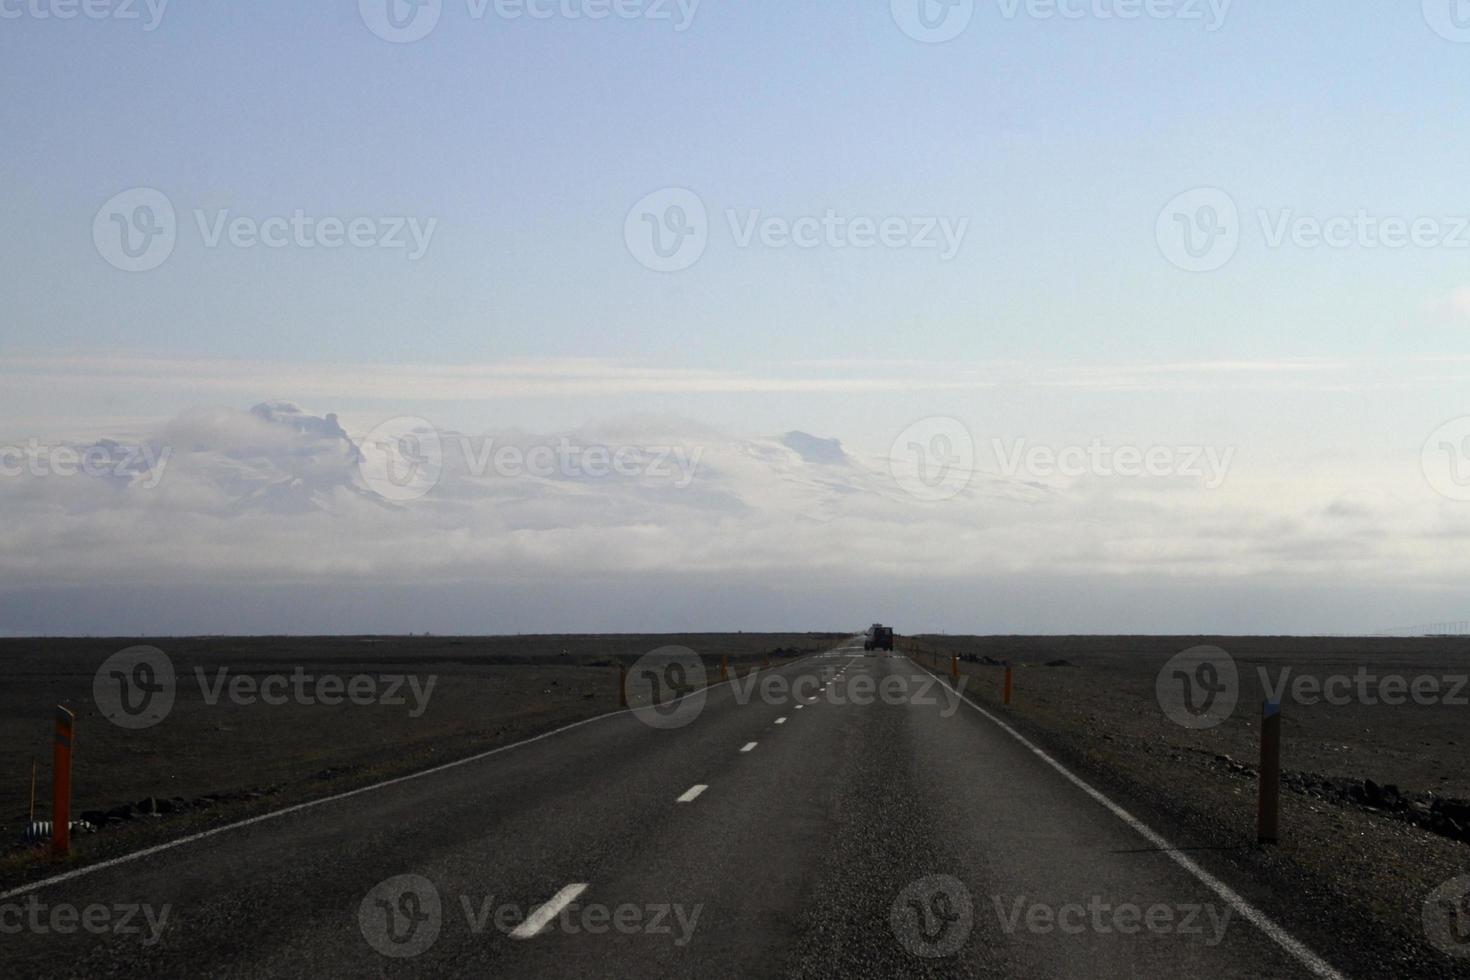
{"points": [[233, 521]]}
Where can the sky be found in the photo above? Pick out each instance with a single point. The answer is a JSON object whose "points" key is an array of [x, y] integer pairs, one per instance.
{"points": [[249, 237]]}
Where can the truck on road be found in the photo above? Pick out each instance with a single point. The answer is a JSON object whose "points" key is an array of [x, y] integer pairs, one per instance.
{"points": [[878, 637]]}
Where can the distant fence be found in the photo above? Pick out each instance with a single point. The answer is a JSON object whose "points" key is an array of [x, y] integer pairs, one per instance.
{"points": [[1460, 628]]}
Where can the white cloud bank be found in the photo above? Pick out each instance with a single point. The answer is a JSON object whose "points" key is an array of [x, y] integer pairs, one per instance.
{"points": [[267, 520]]}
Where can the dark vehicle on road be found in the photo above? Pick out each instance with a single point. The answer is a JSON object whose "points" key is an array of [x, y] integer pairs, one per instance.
{"points": [[878, 637]]}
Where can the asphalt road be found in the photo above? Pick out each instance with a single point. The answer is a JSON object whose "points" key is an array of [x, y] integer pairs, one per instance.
{"points": [[841, 834]]}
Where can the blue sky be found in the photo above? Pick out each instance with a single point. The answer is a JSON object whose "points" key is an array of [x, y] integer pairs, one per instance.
{"points": [[1054, 143], [529, 140]]}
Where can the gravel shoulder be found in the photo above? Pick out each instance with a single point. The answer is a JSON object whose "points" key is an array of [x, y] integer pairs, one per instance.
{"points": [[1353, 872], [217, 758]]}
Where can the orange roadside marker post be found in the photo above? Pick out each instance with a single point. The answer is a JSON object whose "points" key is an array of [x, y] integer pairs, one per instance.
{"points": [[1268, 817], [954, 667], [61, 784], [724, 668], [1009, 683]]}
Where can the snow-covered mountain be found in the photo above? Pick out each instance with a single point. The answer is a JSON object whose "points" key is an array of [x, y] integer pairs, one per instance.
{"points": [[280, 488], [279, 459]]}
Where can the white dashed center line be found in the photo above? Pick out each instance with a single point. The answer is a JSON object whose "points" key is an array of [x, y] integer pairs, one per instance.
{"points": [[692, 794], [542, 917], [748, 746], [781, 721]]}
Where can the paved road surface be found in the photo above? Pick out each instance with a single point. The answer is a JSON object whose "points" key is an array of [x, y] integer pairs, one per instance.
{"points": [[909, 836]]}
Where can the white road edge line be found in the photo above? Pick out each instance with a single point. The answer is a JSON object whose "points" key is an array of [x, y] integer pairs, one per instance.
{"points": [[1245, 909], [748, 746], [309, 804], [692, 793], [541, 918]]}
